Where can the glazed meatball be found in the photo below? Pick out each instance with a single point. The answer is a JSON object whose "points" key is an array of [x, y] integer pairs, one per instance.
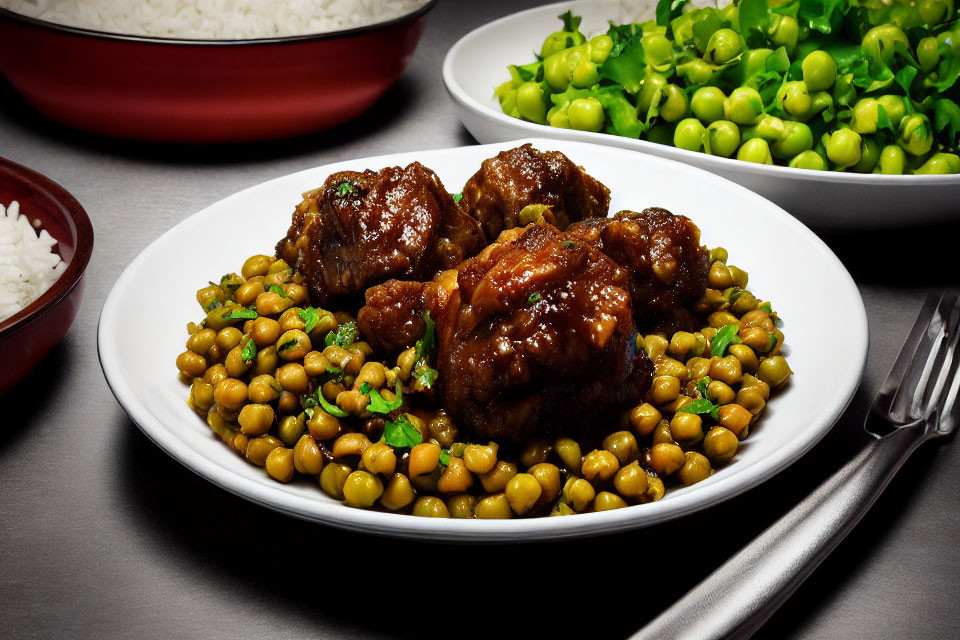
{"points": [[361, 229], [667, 265], [504, 185], [537, 335]]}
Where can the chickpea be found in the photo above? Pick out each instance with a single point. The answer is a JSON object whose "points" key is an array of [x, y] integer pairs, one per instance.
{"points": [[664, 389], [424, 458], [494, 507], [398, 494], [235, 364], [461, 505], [256, 266], [719, 276], [239, 442], [623, 445], [207, 295], [522, 493], [296, 292], [535, 452], [247, 293], [736, 419], [686, 428], [290, 320], [456, 478], [655, 489], [757, 318], [427, 483], [683, 343], [353, 402], [315, 364], [656, 346], [323, 426], [698, 367], [201, 395], [579, 493], [750, 382], [265, 362], [568, 450], [666, 459], [350, 444], [600, 465], [605, 501], [442, 428], [720, 444], [430, 507], [774, 371], [379, 458], [259, 448], [751, 399], [548, 475], [720, 392], [662, 433], [191, 365], [727, 369], [201, 342], [332, 479], [280, 464], [231, 394], [746, 356], [405, 361], [265, 331], [272, 304], [307, 458], [215, 375], [669, 367], [293, 377], [479, 458], [696, 467], [293, 345], [562, 509], [255, 419], [371, 373], [496, 479], [288, 403], [644, 418], [631, 481], [362, 489]]}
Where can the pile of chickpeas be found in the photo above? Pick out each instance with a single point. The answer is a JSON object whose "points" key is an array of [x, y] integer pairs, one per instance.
{"points": [[257, 399]]}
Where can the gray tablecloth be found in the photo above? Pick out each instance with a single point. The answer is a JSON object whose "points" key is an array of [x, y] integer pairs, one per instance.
{"points": [[103, 535]]}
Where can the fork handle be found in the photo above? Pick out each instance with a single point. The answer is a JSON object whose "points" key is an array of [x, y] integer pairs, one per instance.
{"points": [[737, 598]]}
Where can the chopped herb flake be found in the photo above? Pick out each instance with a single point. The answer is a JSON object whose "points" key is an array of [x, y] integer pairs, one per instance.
{"points": [[277, 289], [457, 197], [344, 336], [725, 337], [772, 342], [249, 351], [445, 457], [377, 402], [534, 298], [239, 314], [766, 307], [732, 294], [310, 317], [400, 434], [702, 386], [346, 188], [569, 244], [286, 345], [426, 376], [332, 409], [425, 345], [213, 304], [703, 405]]}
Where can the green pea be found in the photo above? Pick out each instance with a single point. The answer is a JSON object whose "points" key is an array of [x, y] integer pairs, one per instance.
{"points": [[707, 104], [600, 48], [723, 138], [869, 155], [586, 114], [695, 71], [770, 128], [940, 164], [809, 160], [894, 107], [916, 136], [744, 106], [583, 72], [531, 102], [560, 40], [651, 84], [893, 160], [880, 42], [754, 61], [844, 93], [785, 33], [675, 105], [556, 72], [928, 54], [799, 138], [755, 150], [557, 117], [724, 45], [794, 98], [843, 147], [657, 51], [506, 93], [934, 11], [689, 135], [661, 133], [819, 71], [865, 115]]}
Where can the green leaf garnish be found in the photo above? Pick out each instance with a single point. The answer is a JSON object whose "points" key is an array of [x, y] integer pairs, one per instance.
{"points": [[702, 386], [731, 294], [425, 345], [569, 244], [766, 307], [457, 197], [377, 402], [346, 188], [701, 406], [725, 337], [570, 22], [332, 409], [772, 342], [275, 288], [445, 457], [286, 345], [400, 434], [310, 317], [426, 377], [249, 351], [344, 336], [534, 298], [213, 304], [239, 314]]}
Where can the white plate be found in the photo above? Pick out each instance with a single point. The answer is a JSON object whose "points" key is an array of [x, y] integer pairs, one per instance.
{"points": [[787, 264], [477, 63]]}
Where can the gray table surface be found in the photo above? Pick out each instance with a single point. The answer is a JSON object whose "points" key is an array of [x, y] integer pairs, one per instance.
{"points": [[103, 535]]}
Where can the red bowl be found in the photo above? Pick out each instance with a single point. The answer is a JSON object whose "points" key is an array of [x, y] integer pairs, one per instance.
{"points": [[28, 336], [175, 90]]}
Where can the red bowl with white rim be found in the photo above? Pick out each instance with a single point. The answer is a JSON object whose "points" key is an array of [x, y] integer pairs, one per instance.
{"points": [[204, 91]]}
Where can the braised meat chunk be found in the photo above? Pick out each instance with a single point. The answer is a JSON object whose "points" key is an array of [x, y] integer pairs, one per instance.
{"points": [[667, 265], [506, 184], [536, 336], [361, 229]]}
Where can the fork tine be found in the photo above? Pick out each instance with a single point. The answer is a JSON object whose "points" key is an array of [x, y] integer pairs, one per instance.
{"points": [[949, 410], [907, 402], [931, 394]]}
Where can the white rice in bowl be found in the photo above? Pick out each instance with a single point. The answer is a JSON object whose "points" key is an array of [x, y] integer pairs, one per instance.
{"points": [[28, 264], [214, 19]]}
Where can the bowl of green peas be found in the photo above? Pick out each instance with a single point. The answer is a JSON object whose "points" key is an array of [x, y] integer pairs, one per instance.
{"points": [[838, 111]]}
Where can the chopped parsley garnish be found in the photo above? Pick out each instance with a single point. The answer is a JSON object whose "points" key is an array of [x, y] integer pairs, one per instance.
{"points": [[277, 289], [346, 188], [445, 457], [332, 409], [249, 351], [534, 298], [344, 336], [239, 314], [766, 307], [400, 434], [377, 402], [426, 376], [703, 405], [569, 244], [286, 345], [425, 345], [702, 386], [726, 336], [213, 304], [732, 294], [772, 343], [310, 317], [457, 197]]}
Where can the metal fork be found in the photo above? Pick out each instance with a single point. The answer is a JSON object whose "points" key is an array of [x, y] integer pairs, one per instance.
{"points": [[917, 402]]}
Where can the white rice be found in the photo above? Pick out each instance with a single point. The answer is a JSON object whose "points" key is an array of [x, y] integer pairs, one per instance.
{"points": [[214, 19], [28, 265]]}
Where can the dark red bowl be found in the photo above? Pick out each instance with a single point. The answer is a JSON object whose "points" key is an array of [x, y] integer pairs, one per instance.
{"points": [[28, 336], [176, 90]]}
